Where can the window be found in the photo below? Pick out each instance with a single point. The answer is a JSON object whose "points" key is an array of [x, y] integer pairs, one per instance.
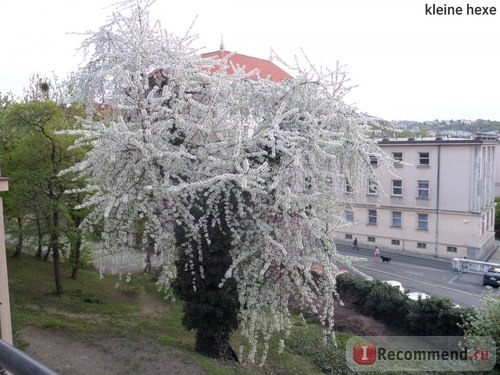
{"points": [[348, 236], [423, 158], [423, 222], [423, 189], [372, 217], [373, 161], [421, 245], [396, 219], [398, 158], [395, 242], [349, 216], [347, 186], [451, 249], [371, 239], [372, 187], [397, 187]]}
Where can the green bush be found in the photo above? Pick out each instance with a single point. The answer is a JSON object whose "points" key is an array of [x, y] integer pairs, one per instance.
{"points": [[386, 303], [435, 316], [353, 289]]}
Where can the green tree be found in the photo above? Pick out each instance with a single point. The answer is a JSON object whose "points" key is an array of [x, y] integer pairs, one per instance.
{"points": [[485, 321], [210, 310], [33, 155]]}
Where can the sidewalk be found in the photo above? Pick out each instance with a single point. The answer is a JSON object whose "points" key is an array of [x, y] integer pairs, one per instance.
{"points": [[347, 247], [493, 257]]}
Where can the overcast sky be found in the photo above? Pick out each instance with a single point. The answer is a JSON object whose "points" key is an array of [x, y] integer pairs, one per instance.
{"points": [[406, 64]]}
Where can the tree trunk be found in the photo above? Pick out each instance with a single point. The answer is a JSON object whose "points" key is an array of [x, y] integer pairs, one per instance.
{"points": [[56, 255], [76, 244], [78, 254], [147, 255], [20, 238], [49, 250], [40, 237]]}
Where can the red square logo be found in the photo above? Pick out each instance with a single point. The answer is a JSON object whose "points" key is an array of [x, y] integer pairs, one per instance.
{"points": [[365, 353]]}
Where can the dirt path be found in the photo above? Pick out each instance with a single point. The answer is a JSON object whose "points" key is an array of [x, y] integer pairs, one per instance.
{"points": [[108, 355], [91, 354]]}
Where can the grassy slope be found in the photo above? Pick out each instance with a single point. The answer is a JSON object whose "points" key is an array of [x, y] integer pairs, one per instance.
{"points": [[97, 306], [94, 305]]}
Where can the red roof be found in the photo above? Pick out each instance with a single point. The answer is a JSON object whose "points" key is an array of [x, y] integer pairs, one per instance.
{"points": [[266, 68]]}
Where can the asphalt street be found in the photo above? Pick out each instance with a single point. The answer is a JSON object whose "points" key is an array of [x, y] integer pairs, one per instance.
{"points": [[430, 275]]}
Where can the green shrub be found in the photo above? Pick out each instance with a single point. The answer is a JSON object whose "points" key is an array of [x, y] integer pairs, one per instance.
{"points": [[386, 303], [353, 289], [435, 316]]}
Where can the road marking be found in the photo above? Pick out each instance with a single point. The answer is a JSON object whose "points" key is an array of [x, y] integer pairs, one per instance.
{"points": [[421, 282], [453, 279]]}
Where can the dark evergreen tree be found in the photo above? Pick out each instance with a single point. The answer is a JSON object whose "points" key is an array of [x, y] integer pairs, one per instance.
{"points": [[211, 309]]}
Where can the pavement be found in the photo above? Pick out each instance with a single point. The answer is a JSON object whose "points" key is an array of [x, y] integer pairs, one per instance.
{"points": [[493, 257]]}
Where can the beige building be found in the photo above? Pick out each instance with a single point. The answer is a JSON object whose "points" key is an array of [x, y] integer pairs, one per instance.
{"points": [[440, 203], [497, 174], [5, 321]]}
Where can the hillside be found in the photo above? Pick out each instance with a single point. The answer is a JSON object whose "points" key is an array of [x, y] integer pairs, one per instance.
{"points": [[103, 327]]}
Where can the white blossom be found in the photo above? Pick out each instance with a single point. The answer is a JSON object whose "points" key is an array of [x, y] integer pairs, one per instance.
{"points": [[175, 129]]}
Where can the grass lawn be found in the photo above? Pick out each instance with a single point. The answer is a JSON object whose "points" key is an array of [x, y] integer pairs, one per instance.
{"points": [[92, 305], [99, 307]]}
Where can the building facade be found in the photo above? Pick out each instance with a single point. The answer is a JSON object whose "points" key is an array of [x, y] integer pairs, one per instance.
{"points": [[439, 202]]}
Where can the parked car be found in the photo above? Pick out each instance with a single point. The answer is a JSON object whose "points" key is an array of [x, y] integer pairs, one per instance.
{"points": [[492, 277], [395, 284], [416, 295]]}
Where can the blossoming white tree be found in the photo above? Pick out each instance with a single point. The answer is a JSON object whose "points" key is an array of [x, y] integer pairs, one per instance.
{"points": [[200, 159]]}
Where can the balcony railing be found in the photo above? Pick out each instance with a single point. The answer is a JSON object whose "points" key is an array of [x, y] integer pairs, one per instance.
{"points": [[17, 362]]}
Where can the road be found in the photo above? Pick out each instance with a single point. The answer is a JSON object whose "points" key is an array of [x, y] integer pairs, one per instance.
{"points": [[428, 275]]}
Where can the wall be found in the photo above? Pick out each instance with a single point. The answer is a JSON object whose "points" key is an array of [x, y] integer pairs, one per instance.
{"points": [[461, 179]]}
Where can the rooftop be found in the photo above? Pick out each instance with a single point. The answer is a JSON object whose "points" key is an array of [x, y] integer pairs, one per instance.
{"points": [[264, 68], [441, 140]]}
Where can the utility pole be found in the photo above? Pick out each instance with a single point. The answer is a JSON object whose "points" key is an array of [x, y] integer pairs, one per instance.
{"points": [[5, 321]]}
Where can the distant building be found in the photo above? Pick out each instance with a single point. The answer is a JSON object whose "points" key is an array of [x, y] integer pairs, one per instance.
{"points": [[441, 204], [264, 69], [497, 176]]}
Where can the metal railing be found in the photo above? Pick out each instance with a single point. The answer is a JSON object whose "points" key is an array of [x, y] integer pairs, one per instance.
{"points": [[471, 266], [17, 362]]}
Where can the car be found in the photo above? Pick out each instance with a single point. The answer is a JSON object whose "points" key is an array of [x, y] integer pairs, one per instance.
{"points": [[415, 296], [395, 284], [492, 277]]}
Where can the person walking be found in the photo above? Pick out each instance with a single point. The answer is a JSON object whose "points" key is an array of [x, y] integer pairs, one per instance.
{"points": [[355, 244], [377, 253]]}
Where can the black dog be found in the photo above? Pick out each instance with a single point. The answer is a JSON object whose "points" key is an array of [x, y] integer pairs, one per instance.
{"points": [[385, 259]]}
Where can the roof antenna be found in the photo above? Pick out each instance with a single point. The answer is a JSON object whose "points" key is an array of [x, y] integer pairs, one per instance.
{"points": [[222, 47], [271, 54]]}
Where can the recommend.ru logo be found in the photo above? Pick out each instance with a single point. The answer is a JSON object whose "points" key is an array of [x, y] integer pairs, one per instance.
{"points": [[421, 353]]}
